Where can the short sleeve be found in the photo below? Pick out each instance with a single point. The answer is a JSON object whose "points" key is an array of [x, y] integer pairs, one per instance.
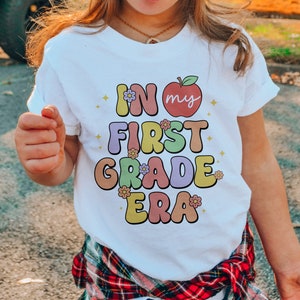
{"points": [[259, 88], [48, 90]]}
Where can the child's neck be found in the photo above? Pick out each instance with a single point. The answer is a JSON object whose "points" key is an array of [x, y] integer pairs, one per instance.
{"points": [[161, 26]]}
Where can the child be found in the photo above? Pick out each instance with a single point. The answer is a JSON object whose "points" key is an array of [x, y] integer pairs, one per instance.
{"points": [[157, 104]]}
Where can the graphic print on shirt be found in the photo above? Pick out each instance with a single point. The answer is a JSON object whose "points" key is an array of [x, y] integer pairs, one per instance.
{"points": [[182, 98], [143, 175]]}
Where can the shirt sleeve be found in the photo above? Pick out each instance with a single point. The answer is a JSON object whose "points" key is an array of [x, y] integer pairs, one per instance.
{"points": [[259, 88], [48, 90]]}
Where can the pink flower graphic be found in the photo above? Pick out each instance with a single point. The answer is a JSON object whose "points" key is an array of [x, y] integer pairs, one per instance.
{"points": [[133, 153], [195, 201], [165, 124], [124, 192], [219, 175]]}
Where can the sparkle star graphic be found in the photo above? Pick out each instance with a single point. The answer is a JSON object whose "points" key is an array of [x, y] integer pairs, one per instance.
{"points": [[214, 102], [98, 136], [105, 97]]}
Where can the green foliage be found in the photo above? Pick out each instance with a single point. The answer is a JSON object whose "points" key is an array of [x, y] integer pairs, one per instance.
{"points": [[278, 39]]}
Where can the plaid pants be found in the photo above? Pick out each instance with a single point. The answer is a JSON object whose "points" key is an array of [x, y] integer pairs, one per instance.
{"points": [[104, 275]]}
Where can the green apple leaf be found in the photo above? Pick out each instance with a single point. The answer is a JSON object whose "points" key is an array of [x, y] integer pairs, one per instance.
{"points": [[189, 80]]}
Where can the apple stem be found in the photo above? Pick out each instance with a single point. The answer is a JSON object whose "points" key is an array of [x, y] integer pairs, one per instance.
{"points": [[180, 80]]}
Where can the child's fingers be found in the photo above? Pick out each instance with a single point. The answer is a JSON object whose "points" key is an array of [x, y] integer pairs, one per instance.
{"points": [[40, 140], [51, 112], [34, 137], [41, 166], [41, 151], [28, 121]]}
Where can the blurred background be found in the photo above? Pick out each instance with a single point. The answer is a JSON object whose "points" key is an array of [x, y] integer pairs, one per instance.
{"points": [[39, 233], [274, 25]]}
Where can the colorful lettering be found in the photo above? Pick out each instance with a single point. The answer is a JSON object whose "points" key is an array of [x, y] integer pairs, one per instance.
{"points": [[134, 212], [105, 176]]}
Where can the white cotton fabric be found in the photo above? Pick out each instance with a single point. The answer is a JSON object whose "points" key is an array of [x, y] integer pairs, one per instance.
{"points": [[166, 223]]}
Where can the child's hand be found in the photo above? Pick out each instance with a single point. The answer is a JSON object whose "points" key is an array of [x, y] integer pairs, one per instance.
{"points": [[40, 140], [288, 283]]}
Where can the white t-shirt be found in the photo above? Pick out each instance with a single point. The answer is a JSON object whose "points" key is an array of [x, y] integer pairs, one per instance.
{"points": [[158, 178]]}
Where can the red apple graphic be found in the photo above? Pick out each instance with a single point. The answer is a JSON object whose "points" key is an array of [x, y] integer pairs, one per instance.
{"points": [[182, 98]]}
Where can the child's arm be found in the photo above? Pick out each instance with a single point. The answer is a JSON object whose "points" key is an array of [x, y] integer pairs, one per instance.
{"points": [[269, 206], [46, 153]]}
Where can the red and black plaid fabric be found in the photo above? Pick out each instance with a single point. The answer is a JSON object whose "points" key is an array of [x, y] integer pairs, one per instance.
{"points": [[105, 276]]}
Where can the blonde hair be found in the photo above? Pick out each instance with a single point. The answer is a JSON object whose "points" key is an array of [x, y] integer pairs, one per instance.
{"points": [[206, 16]]}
